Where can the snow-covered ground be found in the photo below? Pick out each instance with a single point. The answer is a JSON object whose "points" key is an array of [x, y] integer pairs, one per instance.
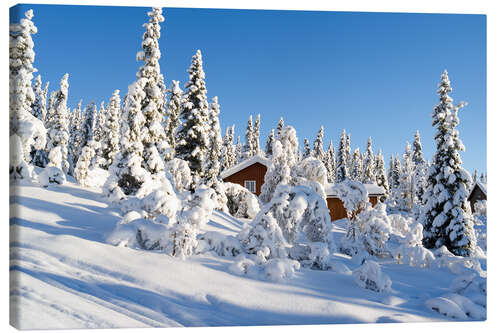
{"points": [[64, 275]]}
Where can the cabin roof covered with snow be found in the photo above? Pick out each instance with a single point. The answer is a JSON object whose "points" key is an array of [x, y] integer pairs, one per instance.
{"points": [[372, 189], [245, 164], [481, 186]]}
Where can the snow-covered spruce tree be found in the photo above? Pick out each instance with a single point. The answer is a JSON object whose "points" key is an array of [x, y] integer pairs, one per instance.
{"points": [[356, 171], [99, 123], [88, 123], [330, 163], [317, 150], [228, 157], [248, 149], [269, 144], [475, 176], [283, 159], [39, 111], [172, 123], [306, 151], [256, 136], [312, 173], [74, 139], [446, 214], [58, 128], [84, 163], [110, 143], [395, 179], [341, 171], [406, 181], [369, 164], [390, 172], [126, 174], [348, 153], [380, 174], [213, 166], [280, 126], [153, 102], [31, 134], [193, 134], [420, 164], [238, 150], [483, 178]]}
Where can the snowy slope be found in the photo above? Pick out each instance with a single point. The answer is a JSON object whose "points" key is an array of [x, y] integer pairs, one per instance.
{"points": [[65, 275]]}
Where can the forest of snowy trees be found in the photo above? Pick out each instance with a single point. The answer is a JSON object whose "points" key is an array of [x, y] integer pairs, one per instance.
{"points": [[162, 149]]}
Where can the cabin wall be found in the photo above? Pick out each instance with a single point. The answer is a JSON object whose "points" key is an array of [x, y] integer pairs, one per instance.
{"points": [[475, 196], [337, 210], [255, 172]]}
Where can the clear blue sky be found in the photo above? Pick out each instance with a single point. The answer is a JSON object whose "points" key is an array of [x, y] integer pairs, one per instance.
{"points": [[373, 74]]}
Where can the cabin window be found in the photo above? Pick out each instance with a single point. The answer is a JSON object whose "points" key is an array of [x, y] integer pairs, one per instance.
{"points": [[251, 185]]}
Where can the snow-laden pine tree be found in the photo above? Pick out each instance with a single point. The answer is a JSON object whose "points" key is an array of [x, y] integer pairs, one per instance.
{"points": [[58, 128], [74, 138], [420, 165], [212, 165], [446, 215], [193, 134], [228, 158], [348, 153], [380, 174], [356, 171], [317, 150], [126, 174], [475, 176], [26, 131], [39, 110], [172, 123], [368, 164], [110, 144], [269, 144], [329, 162], [256, 136], [88, 124], [306, 150], [99, 123], [395, 178], [279, 127], [407, 181], [483, 178], [341, 170], [39, 106], [390, 173], [248, 149], [283, 159], [153, 102], [238, 150]]}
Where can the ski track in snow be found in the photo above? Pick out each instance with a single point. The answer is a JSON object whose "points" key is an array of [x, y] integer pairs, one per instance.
{"points": [[65, 276]]}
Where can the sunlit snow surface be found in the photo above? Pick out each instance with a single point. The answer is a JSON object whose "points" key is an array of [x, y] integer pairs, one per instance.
{"points": [[64, 275]]}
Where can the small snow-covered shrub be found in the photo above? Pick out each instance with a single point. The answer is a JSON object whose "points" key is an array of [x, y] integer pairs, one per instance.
{"points": [[179, 174], [139, 233], [294, 215], [411, 252], [161, 202], [457, 264], [51, 175], [256, 266], [480, 208], [223, 245], [370, 276], [446, 307], [374, 229], [241, 202], [472, 286], [264, 234], [400, 224]]}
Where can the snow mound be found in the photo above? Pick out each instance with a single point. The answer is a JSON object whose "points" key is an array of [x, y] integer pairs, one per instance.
{"points": [[241, 202], [51, 175]]}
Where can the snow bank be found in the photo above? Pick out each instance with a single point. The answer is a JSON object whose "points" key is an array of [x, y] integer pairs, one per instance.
{"points": [[51, 175]]}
